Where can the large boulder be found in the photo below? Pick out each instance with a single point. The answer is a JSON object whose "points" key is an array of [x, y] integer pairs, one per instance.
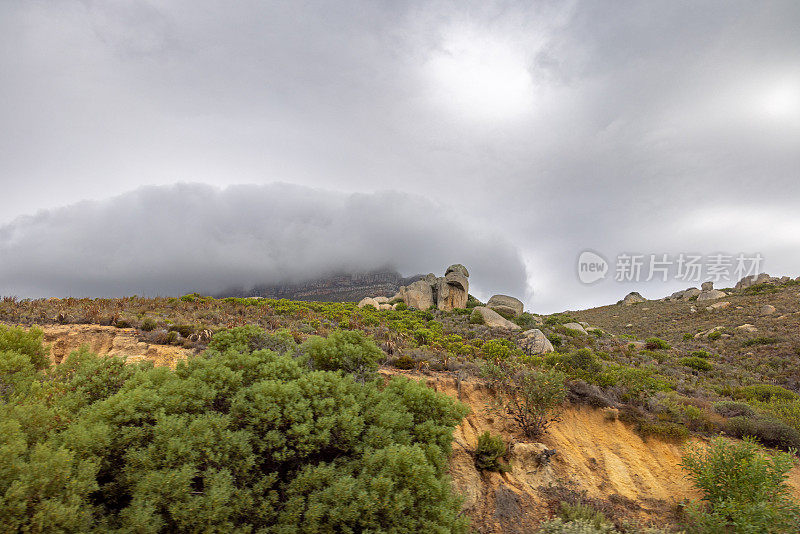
{"points": [[707, 286], [368, 301], [452, 290], [493, 319], [417, 295], [711, 294], [457, 268], [575, 327], [633, 298], [535, 342], [505, 304]]}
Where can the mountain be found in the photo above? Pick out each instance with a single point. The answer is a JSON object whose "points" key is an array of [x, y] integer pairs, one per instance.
{"points": [[340, 287]]}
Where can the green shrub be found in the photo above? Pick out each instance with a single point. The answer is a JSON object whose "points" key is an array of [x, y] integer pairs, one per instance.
{"points": [[744, 489], [148, 324], [734, 409], [688, 336], [715, 335], [476, 318], [472, 302], [760, 340], [404, 362], [764, 392], [229, 441], [27, 343], [499, 349], [579, 526], [401, 306], [654, 343], [530, 398], [250, 338], [555, 340], [768, 432], [583, 512], [694, 362], [663, 430], [348, 350], [489, 451]]}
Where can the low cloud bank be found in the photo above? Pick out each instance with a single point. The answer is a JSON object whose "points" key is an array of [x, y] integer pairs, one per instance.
{"points": [[169, 240]]}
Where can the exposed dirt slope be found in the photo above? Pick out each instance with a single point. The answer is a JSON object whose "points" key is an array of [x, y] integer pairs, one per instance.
{"points": [[601, 456], [108, 340]]}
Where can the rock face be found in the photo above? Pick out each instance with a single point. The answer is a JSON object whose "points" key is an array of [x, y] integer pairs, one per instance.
{"points": [[493, 319], [444, 293], [748, 281], [535, 342], [710, 294], [505, 304], [686, 294], [633, 298]]}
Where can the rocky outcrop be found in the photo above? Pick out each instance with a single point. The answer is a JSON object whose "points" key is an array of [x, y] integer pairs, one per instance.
{"points": [[633, 298], [707, 286], [711, 294], [483, 315], [368, 301], [506, 305], [748, 281], [534, 342], [445, 293]]}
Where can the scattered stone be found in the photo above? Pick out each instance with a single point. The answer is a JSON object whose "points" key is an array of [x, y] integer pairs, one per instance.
{"points": [[368, 301], [692, 309], [748, 281], [535, 342], [705, 333], [711, 294], [381, 300], [629, 325], [493, 319], [575, 327], [767, 309], [505, 304], [718, 306], [593, 329], [633, 298], [747, 327], [707, 286]]}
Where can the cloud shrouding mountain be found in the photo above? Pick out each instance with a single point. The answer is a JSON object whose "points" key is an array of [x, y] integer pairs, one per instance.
{"points": [[187, 237]]}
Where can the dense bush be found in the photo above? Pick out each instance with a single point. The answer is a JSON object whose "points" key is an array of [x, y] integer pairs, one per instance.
{"points": [[760, 340], [489, 451], [734, 409], [744, 489], [696, 363], [350, 351], [235, 440], [654, 343], [764, 392], [767, 431]]}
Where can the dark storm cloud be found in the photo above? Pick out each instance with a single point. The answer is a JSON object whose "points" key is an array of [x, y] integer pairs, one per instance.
{"points": [[175, 239], [629, 126]]}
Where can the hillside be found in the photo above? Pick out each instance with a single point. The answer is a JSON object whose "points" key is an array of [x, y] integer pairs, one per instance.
{"points": [[641, 383]]}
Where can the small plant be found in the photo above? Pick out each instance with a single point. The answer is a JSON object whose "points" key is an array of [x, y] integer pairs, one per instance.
{"points": [[734, 409], [489, 451], [404, 362], [532, 399], [696, 363], [148, 324], [583, 512], [476, 318], [715, 335], [760, 340], [401, 306], [654, 343], [688, 336]]}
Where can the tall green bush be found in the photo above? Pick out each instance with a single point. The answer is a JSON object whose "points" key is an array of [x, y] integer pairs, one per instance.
{"points": [[239, 439]]}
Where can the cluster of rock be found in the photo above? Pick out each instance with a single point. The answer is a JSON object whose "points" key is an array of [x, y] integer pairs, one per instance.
{"points": [[444, 292], [763, 278], [496, 310]]}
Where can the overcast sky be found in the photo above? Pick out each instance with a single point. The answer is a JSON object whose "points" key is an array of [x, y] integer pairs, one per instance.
{"points": [[510, 135]]}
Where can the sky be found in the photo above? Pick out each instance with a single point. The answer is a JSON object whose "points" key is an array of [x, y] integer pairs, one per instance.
{"points": [[170, 146]]}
